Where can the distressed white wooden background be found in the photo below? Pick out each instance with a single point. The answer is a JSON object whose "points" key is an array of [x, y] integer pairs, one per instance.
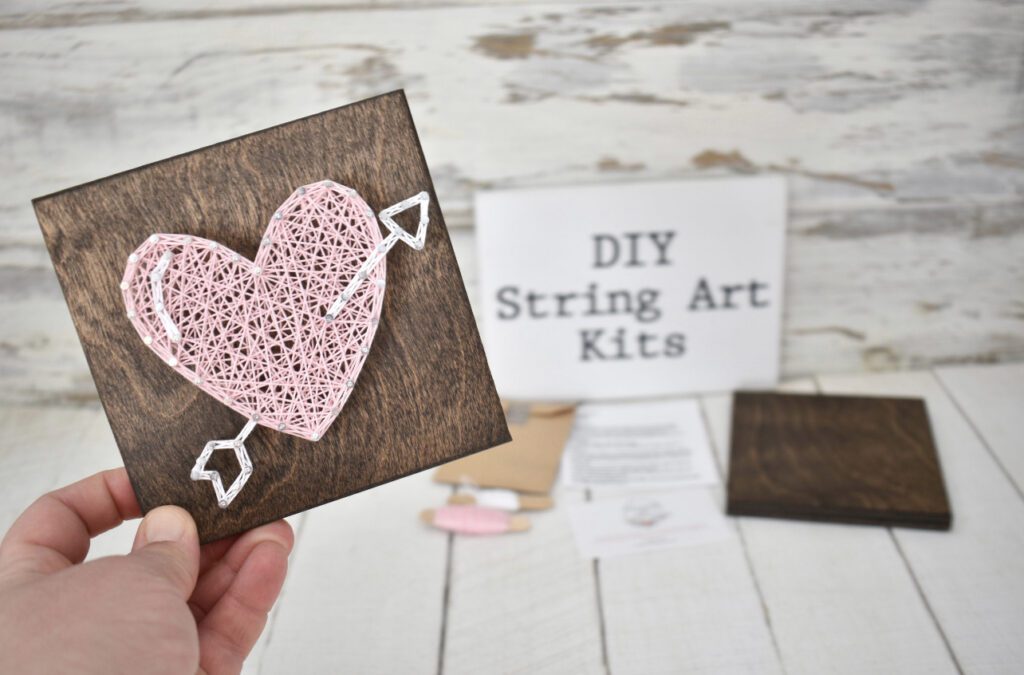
{"points": [[900, 124]]}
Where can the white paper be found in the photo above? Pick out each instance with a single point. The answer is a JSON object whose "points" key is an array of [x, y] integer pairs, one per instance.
{"points": [[640, 523], [620, 291], [639, 443]]}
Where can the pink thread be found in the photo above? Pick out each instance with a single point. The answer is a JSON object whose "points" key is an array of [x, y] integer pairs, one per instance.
{"points": [[253, 333], [466, 519]]}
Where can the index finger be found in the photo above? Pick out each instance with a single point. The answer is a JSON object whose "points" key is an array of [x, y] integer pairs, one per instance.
{"points": [[54, 532]]}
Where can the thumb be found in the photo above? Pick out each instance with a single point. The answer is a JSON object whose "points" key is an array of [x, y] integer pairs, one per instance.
{"points": [[167, 546]]}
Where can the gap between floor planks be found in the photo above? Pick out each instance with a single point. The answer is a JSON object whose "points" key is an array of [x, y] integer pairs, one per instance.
{"points": [[960, 575], [977, 432], [910, 571], [716, 455]]}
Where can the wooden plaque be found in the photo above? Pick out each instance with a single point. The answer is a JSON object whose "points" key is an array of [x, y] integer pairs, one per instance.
{"points": [[835, 458], [425, 395]]}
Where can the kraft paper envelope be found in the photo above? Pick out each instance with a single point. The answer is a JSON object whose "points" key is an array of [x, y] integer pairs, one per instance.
{"points": [[529, 463]]}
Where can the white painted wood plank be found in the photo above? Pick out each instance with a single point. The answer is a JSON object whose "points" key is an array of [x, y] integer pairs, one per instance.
{"points": [[839, 597], [992, 398], [58, 13], [692, 610], [970, 576], [48, 447], [523, 603], [365, 587], [36, 443], [688, 610], [906, 299], [533, 72]]}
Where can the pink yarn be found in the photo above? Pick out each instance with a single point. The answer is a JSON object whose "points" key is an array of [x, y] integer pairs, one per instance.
{"points": [[253, 333], [467, 519]]}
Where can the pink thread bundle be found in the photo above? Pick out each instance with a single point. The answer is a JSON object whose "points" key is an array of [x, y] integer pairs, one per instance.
{"points": [[253, 334], [471, 520], [474, 520]]}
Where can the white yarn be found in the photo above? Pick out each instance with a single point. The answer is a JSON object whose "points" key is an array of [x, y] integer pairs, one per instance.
{"points": [[496, 498]]}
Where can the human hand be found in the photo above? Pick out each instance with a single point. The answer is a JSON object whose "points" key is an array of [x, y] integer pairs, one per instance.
{"points": [[170, 606]]}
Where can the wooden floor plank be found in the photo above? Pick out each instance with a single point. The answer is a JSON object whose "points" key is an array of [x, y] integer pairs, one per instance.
{"points": [[36, 442], [689, 610], [839, 597], [48, 447], [992, 398], [523, 603], [686, 610], [364, 589], [969, 576]]}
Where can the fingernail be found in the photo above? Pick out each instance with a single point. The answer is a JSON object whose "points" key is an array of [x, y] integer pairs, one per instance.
{"points": [[166, 523]]}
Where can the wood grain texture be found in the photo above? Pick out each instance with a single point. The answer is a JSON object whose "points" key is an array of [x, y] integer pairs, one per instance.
{"points": [[425, 395], [897, 123], [838, 458]]}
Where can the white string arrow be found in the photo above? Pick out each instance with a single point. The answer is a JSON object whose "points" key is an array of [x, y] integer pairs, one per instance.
{"points": [[396, 234], [199, 471]]}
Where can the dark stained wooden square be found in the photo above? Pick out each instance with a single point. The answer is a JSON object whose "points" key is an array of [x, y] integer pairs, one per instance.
{"points": [[425, 395], [835, 458]]}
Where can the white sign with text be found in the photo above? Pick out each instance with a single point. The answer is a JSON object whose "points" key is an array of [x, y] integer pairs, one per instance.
{"points": [[633, 290]]}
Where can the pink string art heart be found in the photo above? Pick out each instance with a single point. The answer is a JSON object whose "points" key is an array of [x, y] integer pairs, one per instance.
{"points": [[280, 339]]}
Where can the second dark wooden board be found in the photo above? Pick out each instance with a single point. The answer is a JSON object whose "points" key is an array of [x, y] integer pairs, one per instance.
{"points": [[425, 395], [835, 458]]}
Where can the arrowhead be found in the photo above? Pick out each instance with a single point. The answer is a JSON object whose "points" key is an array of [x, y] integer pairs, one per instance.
{"points": [[387, 217]]}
